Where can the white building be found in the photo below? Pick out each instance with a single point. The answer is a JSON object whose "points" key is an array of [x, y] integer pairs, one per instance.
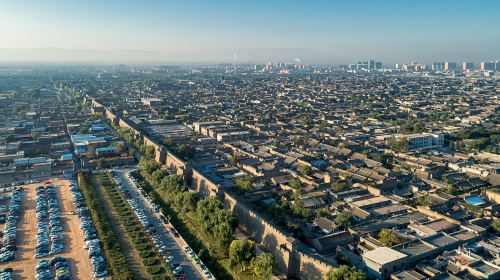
{"points": [[424, 140]]}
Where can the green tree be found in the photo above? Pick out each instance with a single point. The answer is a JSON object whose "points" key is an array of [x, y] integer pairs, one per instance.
{"points": [[307, 121], [215, 221], [185, 201], [344, 219], [149, 165], [186, 150], [450, 189], [233, 160], [263, 266], [172, 184], [295, 183], [339, 186], [131, 152], [398, 145], [169, 142], [423, 201], [305, 169], [496, 225], [345, 272], [388, 237], [244, 183], [157, 175], [148, 151], [319, 156], [241, 252]]}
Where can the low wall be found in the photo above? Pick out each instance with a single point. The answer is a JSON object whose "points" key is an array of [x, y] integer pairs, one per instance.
{"points": [[493, 196], [428, 212]]}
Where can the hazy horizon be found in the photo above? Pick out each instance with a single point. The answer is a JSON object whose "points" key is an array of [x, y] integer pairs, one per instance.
{"points": [[193, 32]]}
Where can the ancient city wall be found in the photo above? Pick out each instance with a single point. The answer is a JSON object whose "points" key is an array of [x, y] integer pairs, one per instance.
{"points": [[264, 233], [160, 151], [289, 260], [203, 185], [310, 268], [175, 164]]}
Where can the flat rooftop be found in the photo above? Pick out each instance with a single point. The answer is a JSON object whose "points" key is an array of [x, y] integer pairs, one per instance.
{"points": [[484, 268], [440, 240], [414, 248], [370, 201], [439, 225], [409, 275], [395, 208], [383, 255]]}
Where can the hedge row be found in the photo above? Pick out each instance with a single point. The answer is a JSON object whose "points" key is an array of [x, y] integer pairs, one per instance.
{"points": [[134, 229], [112, 250]]}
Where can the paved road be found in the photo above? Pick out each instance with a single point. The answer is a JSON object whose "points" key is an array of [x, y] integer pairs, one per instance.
{"points": [[174, 245], [76, 159]]}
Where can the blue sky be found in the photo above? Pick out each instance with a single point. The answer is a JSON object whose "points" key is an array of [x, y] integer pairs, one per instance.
{"points": [[204, 30]]}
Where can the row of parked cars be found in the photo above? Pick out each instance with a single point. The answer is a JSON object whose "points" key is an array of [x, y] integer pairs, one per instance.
{"points": [[197, 261], [8, 246], [148, 226], [92, 243], [177, 269], [60, 264], [7, 274], [49, 226]]}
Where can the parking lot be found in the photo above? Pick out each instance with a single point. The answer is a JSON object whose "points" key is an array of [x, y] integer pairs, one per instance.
{"points": [[73, 250]]}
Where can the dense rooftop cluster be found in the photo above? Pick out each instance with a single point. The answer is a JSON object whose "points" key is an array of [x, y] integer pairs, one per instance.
{"points": [[394, 173]]}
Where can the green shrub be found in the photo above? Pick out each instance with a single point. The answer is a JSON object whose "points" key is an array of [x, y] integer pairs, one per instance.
{"points": [[154, 269], [125, 213], [131, 229], [142, 246], [145, 254], [159, 277], [139, 239], [150, 261]]}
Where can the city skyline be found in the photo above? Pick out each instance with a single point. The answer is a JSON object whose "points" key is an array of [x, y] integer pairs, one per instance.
{"points": [[199, 32]]}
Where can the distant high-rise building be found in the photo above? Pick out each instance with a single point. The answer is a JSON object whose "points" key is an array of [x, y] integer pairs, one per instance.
{"points": [[438, 66], [367, 65], [467, 66], [371, 64], [488, 66], [497, 65], [448, 66]]}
